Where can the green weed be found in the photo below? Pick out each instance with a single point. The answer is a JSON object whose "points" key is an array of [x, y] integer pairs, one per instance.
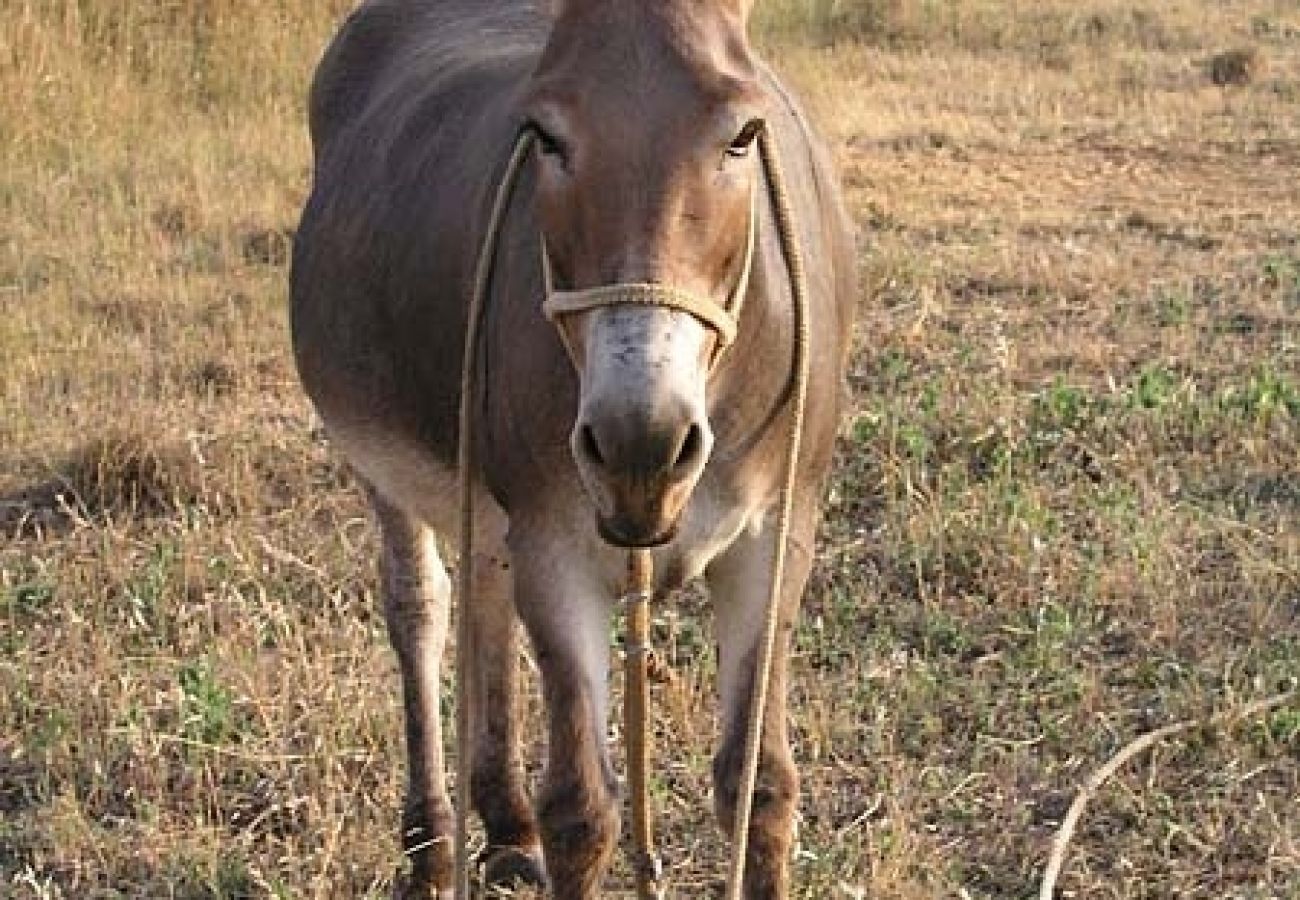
{"points": [[208, 714]]}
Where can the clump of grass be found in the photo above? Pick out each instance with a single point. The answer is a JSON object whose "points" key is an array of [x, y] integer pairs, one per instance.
{"points": [[128, 473], [121, 475]]}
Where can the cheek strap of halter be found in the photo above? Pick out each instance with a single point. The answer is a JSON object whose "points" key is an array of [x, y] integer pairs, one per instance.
{"points": [[720, 317]]}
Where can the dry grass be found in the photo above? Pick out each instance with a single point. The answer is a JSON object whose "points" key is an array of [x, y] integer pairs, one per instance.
{"points": [[1067, 508]]}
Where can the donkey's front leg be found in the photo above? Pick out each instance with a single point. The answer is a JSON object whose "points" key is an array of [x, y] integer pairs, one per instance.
{"points": [[513, 853], [739, 586], [417, 597], [568, 622]]}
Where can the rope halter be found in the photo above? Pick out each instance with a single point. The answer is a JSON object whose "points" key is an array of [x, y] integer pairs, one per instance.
{"points": [[720, 317]]}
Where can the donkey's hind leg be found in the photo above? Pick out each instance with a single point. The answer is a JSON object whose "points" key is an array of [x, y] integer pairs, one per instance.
{"points": [[417, 599]]}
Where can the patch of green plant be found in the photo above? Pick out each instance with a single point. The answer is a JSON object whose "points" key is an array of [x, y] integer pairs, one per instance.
{"points": [[1063, 406], [1173, 309], [1055, 414], [829, 635], [1042, 641], [895, 366], [51, 726], [1154, 387], [1266, 394], [1282, 727], [915, 442], [226, 877], [32, 597], [1282, 273], [1054, 624], [144, 594], [208, 713], [944, 634], [866, 427], [27, 598]]}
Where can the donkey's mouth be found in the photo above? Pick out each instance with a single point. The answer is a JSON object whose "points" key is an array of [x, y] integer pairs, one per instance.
{"points": [[622, 531]]}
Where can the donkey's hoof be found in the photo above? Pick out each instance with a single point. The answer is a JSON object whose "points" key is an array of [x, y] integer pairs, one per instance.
{"points": [[513, 867]]}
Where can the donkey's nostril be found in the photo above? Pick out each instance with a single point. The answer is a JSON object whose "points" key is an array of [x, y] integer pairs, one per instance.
{"points": [[635, 448], [590, 449], [691, 447]]}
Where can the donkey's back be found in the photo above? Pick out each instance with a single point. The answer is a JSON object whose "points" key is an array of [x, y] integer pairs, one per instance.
{"points": [[412, 112]]}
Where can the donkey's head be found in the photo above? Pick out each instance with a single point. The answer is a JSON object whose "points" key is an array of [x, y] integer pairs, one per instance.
{"points": [[646, 113]]}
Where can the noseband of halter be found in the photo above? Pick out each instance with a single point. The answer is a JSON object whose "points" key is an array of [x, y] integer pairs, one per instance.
{"points": [[722, 318]]}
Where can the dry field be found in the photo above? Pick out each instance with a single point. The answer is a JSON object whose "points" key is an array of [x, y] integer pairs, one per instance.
{"points": [[1067, 509]]}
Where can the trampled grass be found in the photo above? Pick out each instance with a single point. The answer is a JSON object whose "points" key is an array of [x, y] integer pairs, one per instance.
{"points": [[1066, 511]]}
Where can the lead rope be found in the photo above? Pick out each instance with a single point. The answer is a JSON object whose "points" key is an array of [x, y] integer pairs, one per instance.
{"points": [[464, 459], [636, 720], [640, 571], [758, 701]]}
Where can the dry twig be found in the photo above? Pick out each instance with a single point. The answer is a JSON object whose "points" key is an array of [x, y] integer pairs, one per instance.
{"points": [[1130, 750]]}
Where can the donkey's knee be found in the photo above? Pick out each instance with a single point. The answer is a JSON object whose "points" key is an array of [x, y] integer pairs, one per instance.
{"points": [[776, 789]]}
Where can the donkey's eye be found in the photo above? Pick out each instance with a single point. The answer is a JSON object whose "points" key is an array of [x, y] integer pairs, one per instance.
{"points": [[742, 143], [549, 144]]}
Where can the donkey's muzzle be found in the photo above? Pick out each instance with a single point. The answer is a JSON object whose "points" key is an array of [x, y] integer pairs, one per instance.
{"points": [[640, 470]]}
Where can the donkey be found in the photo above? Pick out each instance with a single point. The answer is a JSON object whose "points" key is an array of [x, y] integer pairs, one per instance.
{"points": [[613, 427]]}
